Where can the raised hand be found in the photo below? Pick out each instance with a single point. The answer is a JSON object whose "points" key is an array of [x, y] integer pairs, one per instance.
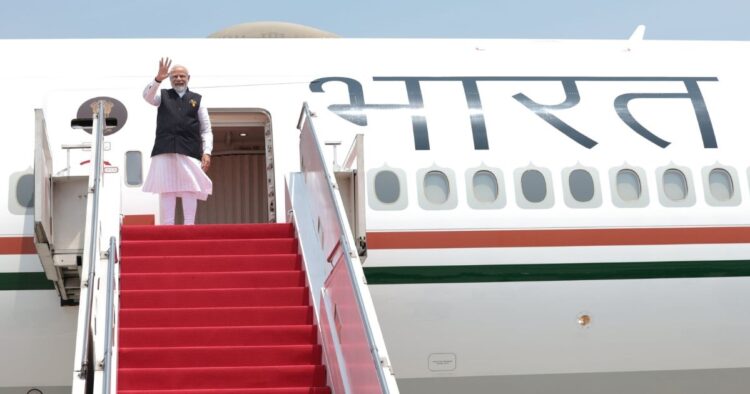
{"points": [[164, 65]]}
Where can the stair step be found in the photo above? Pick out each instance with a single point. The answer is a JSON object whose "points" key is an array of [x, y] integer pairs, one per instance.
{"points": [[213, 317], [219, 356], [220, 231], [221, 263], [199, 298], [211, 280], [202, 247], [221, 377], [276, 390], [216, 309], [218, 336]]}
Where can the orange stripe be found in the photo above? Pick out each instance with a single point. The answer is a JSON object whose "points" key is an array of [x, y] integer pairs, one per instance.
{"points": [[17, 245], [578, 237], [138, 219]]}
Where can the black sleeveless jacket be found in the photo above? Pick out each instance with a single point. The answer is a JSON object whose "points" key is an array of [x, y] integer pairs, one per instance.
{"points": [[178, 129]]}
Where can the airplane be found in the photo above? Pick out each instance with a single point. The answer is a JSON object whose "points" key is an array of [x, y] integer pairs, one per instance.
{"points": [[517, 216]]}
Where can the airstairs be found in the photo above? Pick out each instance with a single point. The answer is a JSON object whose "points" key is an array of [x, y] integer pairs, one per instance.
{"points": [[264, 308], [216, 307]]}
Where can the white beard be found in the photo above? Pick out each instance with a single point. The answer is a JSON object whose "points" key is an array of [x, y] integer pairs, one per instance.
{"points": [[180, 90]]}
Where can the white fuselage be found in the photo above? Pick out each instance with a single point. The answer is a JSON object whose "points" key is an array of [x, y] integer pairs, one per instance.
{"points": [[479, 286]]}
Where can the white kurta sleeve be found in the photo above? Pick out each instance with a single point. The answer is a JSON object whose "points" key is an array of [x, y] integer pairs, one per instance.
{"points": [[151, 93], [206, 134]]}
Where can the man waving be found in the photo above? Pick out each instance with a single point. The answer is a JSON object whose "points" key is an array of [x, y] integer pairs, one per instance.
{"points": [[182, 148]]}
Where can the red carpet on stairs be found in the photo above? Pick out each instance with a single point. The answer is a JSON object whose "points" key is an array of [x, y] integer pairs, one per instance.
{"points": [[215, 309]]}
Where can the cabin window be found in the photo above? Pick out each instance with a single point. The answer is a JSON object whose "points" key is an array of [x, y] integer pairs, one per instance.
{"points": [[675, 185], [720, 184], [533, 186], [581, 185], [628, 185], [484, 188], [386, 190], [484, 185], [387, 187], [436, 187], [25, 191], [133, 168]]}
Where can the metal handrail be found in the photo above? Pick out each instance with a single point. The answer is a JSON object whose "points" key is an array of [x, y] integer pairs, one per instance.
{"points": [[348, 259], [113, 258], [98, 132]]}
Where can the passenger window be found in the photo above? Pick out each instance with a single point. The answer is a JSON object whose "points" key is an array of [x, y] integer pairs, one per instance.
{"points": [[628, 185], [436, 187], [387, 187], [133, 168], [581, 185], [675, 185], [484, 186], [25, 191], [721, 185], [533, 186], [386, 190]]}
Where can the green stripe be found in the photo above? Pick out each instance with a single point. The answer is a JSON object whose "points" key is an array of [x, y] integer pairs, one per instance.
{"points": [[556, 272], [24, 281]]}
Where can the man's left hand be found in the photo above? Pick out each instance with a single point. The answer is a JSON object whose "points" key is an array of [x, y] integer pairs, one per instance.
{"points": [[206, 162]]}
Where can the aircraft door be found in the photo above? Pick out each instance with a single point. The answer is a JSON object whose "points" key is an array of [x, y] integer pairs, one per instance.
{"points": [[43, 196], [59, 216], [241, 169], [351, 182]]}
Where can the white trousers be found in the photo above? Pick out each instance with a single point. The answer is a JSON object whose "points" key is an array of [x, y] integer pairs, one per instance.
{"points": [[168, 203]]}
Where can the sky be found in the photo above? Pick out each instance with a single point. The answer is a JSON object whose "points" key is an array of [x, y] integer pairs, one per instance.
{"points": [[594, 19]]}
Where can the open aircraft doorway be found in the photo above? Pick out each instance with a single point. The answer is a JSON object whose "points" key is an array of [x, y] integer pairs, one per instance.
{"points": [[241, 169]]}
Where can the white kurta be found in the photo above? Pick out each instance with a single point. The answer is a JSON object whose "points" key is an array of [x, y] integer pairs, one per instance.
{"points": [[174, 172]]}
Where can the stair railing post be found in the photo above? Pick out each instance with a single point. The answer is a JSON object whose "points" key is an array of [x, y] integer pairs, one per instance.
{"points": [[92, 233], [113, 257]]}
